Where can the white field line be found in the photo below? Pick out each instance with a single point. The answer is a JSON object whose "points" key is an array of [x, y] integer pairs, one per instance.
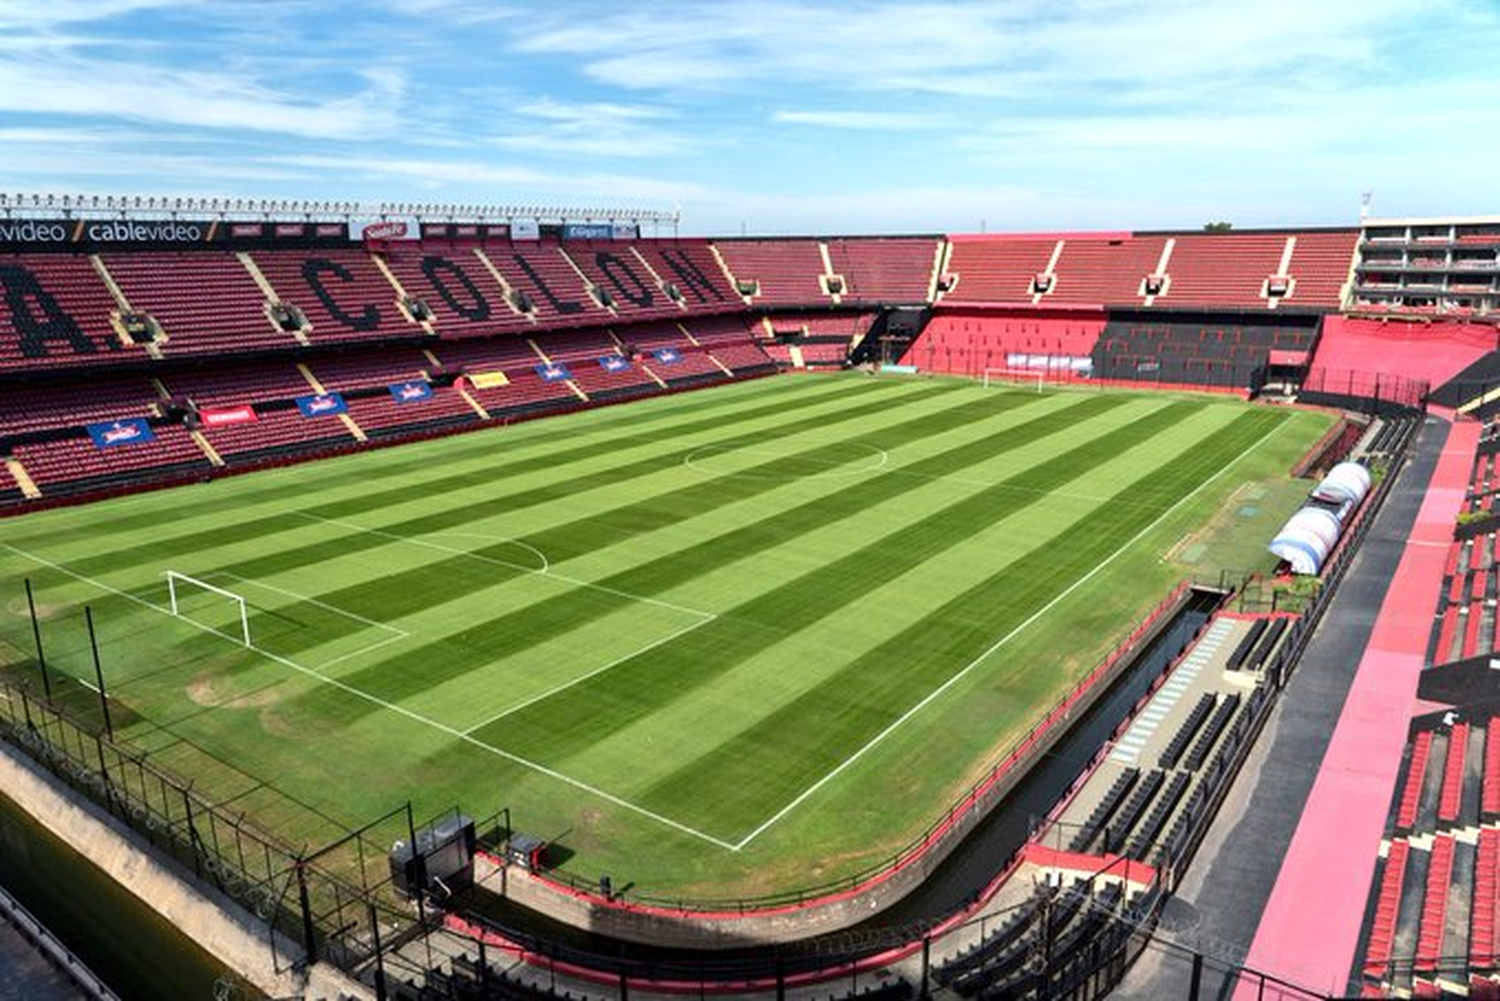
{"points": [[368, 648], [564, 686], [1001, 642], [392, 707], [546, 563], [575, 582]]}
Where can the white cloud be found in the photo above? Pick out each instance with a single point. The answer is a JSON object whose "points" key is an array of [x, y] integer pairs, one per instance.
{"points": [[149, 93], [874, 120], [28, 16], [1021, 50]]}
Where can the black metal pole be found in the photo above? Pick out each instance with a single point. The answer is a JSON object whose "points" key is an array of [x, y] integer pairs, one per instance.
{"points": [[88, 616], [418, 865], [380, 992], [36, 634], [309, 937]]}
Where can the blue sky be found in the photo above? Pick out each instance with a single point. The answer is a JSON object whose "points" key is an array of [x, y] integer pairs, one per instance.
{"points": [[771, 116]]}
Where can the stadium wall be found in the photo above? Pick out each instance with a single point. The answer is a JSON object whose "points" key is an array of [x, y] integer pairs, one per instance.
{"points": [[222, 928]]}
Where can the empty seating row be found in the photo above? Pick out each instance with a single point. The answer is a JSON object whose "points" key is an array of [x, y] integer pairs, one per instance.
{"points": [[1134, 808], [1382, 935], [1215, 726], [1225, 269], [70, 464], [1196, 717], [1077, 926], [1465, 625], [1143, 838], [206, 302], [1099, 819], [885, 269], [277, 432], [777, 272], [28, 407]]}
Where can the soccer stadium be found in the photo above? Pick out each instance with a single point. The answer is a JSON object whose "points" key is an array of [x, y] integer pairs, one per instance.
{"points": [[446, 599]]}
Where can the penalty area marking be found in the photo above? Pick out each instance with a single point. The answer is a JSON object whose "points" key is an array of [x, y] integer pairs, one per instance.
{"points": [[573, 581], [1002, 642], [392, 707], [703, 618], [396, 634], [533, 550]]}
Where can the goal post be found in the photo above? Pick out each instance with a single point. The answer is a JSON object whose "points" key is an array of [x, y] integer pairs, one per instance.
{"points": [[176, 580], [1025, 378]]}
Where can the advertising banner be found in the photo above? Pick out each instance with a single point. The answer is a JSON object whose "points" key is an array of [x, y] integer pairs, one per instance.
{"points": [[24, 233], [403, 228], [613, 363], [214, 417], [554, 372], [588, 231], [321, 405], [667, 356], [489, 380], [127, 431], [410, 392]]}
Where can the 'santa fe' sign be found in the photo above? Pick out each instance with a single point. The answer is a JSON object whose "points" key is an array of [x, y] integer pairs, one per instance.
{"points": [[392, 230]]}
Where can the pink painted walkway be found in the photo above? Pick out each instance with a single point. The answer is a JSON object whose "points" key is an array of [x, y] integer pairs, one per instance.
{"points": [[1310, 927]]}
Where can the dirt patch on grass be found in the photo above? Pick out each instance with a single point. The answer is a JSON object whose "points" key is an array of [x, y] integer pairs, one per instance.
{"points": [[16, 608], [204, 692]]}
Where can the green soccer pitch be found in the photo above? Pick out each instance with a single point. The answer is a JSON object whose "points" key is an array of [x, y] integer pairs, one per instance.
{"points": [[730, 642]]}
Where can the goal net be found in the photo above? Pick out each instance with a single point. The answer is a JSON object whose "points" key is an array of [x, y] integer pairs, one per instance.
{"points": [[1024, 378], [209, 606]]}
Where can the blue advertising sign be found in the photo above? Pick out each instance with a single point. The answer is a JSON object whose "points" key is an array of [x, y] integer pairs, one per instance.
{"points": [[588, 231], [554, 372], [321, 405], [127, 431], [410, 392]]}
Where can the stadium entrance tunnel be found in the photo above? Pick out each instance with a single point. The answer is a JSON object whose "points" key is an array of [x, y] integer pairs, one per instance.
{"points": [[627, 937]]}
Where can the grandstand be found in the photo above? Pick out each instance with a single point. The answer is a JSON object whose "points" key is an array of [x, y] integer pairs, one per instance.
{"points": [[132, 364]]}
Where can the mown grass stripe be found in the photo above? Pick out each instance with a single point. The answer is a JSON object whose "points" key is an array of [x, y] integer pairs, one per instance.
{"points": [[585, 714], [422, 587], [157, 552], [446, 660], [792, 747]]}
